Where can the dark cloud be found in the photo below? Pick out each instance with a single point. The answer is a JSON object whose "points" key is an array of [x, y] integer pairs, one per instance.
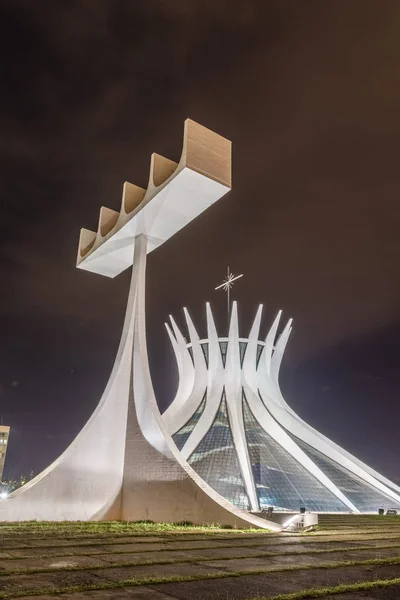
{"points": [[308, 92]]}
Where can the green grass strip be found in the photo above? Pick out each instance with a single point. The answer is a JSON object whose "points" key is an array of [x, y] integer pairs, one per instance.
{"points": [[343, 588], [108, 585], [175, 537], [276, 541], [393, 560], [58, 541], [112, 542], [161, 530], [265, 554], [121, 528]]}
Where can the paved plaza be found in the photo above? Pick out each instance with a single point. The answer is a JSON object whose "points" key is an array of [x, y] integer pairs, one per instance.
{"points": [[105, 560]]}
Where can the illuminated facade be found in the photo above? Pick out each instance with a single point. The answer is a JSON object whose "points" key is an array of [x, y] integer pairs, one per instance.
{"points": [[233, 426], [229, 445], [4, 435]]}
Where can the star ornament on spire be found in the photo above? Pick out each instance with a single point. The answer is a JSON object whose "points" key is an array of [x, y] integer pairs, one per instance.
{"points": [[227, 284]]}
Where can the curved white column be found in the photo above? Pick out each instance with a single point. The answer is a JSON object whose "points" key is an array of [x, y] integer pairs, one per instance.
{"points": [[215, 366], [277, 356], [269, 342], [272, 427], [85, 482], [250, 357], [143, 392], [181, 409], [193, 378], [211, 381], [233, 389], [213, 401]]}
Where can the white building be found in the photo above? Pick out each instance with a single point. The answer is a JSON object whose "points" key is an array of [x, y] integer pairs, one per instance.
{"points": [[233, 426], [4, 435], [229, 445]]}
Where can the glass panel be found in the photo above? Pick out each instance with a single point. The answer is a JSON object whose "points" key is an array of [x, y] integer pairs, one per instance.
{"points": [[363, 495], [223, 347], [191, 353], [260, 348], [216, 462], [204, 347], [281, 481], [242, 350], [181, 436]]}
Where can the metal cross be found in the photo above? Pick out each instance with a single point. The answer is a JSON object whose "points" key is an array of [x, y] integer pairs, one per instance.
{"points": [[227, 284]]}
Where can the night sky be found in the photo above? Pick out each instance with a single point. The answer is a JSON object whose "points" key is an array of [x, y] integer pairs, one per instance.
{"points": [[309, 93]]}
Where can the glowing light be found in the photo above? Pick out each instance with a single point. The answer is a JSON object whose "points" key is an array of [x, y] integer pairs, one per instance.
{"points": [[293, 520], [3, 495]]}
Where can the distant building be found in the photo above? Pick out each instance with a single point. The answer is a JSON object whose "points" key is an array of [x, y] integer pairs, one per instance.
{"points": [[4, 435]]}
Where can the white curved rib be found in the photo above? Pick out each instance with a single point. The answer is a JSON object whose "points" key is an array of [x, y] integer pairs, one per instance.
{"points": [[204, 423], [250, 357], [215, 365], [328, 445], [269, 343], [233, 389], [200, 365], [305, 432], [61, 491], [381, 478], [272, 427], [279, 350], [214, 389], [194, 399], [316, 440], [274, 400], [268, 386], [174, 416]]}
